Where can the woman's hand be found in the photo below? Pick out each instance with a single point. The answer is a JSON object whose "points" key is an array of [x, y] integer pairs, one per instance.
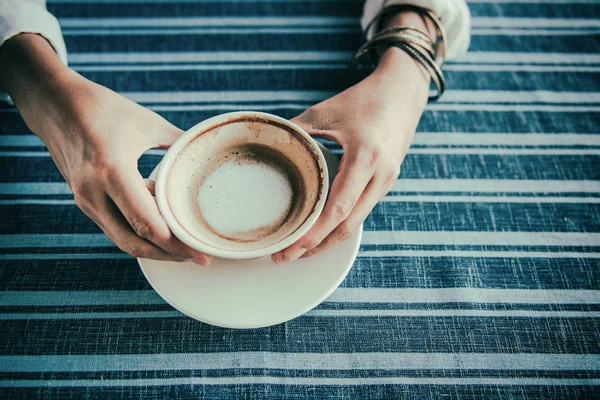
{"points": [[96, 148], [95, 137], [374, 121]]}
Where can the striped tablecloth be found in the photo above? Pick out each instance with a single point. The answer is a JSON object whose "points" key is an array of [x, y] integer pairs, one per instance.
{"points": [[478, 275]]}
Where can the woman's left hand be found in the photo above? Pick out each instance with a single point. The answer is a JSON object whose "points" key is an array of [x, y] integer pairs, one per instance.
{"points": [[374, 122]]}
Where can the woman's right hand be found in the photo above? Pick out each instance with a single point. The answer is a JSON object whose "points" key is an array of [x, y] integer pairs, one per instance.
{"points": [[95, 137]]}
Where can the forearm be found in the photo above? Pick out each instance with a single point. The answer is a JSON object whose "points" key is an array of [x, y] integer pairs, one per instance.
{"points": [[32, 74]]}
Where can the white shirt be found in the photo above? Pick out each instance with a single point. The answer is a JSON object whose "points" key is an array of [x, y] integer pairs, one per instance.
{"points": [[19, 16], [31, 16]]}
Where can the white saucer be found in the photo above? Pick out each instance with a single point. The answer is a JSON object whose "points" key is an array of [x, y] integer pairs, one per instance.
{"points": [[253, 293]]}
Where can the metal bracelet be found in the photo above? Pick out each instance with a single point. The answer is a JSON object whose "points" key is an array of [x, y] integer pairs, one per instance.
{"points": [[440, 43], [413, 48]]}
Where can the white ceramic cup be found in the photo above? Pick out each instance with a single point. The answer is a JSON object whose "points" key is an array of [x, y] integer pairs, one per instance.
{"points": [[267, 130]]}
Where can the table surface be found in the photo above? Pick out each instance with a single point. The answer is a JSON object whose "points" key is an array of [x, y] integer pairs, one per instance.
{"points": [[478, 275]]}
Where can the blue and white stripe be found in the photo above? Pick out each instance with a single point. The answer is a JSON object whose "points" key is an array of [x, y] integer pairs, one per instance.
{"points": [[478, 275]]}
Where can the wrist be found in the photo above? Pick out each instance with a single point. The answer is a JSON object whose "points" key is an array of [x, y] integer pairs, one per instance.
{"points": [[28, 58], [411, 19], [34, 77], [405, 77], [398, 67]]}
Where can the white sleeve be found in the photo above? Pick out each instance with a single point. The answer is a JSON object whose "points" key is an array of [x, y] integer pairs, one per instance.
{"points": [[454, 15], [31, 16]]}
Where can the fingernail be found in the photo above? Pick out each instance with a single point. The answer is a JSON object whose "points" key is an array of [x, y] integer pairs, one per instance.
{"points": [[202, 260], [297, 254], [276, 258], [151, 185], [306, 255]]}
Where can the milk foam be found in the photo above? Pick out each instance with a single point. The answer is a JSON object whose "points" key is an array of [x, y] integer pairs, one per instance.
{"points": [[243, 197]]}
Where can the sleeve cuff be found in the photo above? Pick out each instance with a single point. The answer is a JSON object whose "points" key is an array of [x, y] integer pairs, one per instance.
{"points": [[18, 16], [454, 14]]}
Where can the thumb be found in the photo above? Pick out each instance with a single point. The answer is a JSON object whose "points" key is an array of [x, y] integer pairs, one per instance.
{"points": [[161, 133], [304, 121], [166, 136], [315, 123]]}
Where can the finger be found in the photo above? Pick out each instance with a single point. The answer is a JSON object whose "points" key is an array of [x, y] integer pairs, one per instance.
{"points": [[368, 200], [151, 185], [107, 216], [346, 190], [127, 189]]}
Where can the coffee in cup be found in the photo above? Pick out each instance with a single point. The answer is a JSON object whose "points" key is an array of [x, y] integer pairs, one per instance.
{"points": [[242, 185]]}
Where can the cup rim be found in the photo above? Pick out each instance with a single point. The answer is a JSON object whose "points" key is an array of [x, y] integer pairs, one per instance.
{"points": [[182, 234]]}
